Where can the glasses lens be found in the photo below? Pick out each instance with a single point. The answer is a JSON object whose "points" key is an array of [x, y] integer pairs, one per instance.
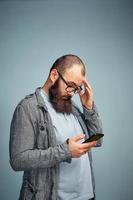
{"points": [[73, 89]]}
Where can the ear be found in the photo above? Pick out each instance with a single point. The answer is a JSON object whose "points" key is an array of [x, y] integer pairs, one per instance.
{"points": [[54, 75]]}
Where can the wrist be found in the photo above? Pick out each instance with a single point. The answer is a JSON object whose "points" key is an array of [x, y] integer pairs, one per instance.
{"points": [[89, 106]]}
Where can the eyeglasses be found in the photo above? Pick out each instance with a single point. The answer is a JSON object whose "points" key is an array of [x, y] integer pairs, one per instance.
{"points": [[71, 86]]}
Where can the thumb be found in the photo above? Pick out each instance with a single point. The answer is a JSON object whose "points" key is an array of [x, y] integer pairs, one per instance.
{"points": [[78, 137]]}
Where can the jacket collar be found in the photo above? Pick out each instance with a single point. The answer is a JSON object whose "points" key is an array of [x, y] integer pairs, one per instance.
{"points": [[40, 101]]}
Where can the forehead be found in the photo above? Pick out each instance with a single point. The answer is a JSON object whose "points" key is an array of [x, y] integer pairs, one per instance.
{"points": [[74, 74]]}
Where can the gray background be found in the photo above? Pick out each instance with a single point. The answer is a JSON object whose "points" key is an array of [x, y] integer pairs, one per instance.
{"points": [[32, 35]]}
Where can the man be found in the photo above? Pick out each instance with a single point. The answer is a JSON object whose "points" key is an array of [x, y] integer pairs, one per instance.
{"points": [[47, 131]]}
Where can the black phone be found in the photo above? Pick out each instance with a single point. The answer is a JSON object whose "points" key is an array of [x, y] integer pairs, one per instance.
{"points": [[94, 137]]}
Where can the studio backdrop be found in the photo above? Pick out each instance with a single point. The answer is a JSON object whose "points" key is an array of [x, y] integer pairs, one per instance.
{"points": [[33, 34]]}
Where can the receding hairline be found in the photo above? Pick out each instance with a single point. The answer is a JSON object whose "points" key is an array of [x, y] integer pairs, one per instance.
{"points": [[66, 62]]}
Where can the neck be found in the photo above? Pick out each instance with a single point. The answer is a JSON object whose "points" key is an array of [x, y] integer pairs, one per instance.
{"points": [[46, 87]]}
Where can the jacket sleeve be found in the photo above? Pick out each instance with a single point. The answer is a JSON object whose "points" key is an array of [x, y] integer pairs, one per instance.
{"points": [[93, 122], [23, 154]]}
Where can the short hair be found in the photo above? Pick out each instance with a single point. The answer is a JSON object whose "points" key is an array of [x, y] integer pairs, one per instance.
{"points": [[66, 62]]}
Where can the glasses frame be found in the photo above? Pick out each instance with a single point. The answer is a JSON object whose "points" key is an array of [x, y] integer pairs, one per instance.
{"points": [[75, 90]]}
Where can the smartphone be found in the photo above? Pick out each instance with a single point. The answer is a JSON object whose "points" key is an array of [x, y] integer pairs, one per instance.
{"points": [[94, 137]]}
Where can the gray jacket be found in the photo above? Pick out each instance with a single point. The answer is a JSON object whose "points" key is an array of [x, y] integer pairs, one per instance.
{"points": [[34, 148]]}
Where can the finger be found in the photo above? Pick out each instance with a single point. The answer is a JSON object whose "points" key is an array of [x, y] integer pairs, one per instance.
{"points": [[86, 84], [88, 90], [84, 152], [78, 137], [88, 145], [85, 90]]}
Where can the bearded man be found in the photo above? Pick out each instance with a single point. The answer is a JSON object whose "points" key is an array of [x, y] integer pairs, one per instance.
{"points": [[47, 134]]}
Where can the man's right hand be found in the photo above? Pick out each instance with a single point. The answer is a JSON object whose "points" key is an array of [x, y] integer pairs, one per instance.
{"points": [[78, 149]]}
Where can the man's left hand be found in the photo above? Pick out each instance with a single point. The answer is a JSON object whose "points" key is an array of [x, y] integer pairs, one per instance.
{"points": [[86, 96]]}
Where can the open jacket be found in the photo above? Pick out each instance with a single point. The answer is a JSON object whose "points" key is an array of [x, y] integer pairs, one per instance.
{"points": [[34, 148]]}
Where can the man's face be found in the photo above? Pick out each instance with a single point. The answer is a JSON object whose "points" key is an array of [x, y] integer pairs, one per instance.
{"points": [[59, 94]]}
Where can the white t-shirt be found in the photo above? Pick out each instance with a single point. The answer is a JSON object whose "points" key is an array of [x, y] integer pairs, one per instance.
{"points": [[75, 182]]}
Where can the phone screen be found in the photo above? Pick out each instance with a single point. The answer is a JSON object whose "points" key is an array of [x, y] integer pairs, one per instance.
{"points": [[94, 137]]}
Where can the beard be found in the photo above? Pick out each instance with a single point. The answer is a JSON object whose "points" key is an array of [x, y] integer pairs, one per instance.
{"points": [[62, 104]]}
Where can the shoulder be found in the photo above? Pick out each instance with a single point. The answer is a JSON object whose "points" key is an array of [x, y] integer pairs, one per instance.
{"points": [[28, 100], [28, 104]]}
